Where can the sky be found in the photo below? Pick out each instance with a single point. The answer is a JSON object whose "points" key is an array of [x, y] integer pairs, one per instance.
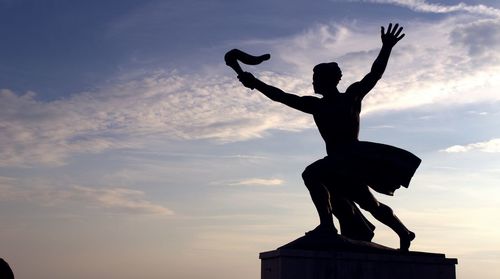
{"points": [[128, 149]]}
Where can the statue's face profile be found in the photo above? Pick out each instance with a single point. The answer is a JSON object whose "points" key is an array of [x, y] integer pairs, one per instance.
{"points": [[326, 77]]}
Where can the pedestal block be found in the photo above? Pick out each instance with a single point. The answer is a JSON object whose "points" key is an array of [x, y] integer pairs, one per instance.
{"points": [[302, 264]]}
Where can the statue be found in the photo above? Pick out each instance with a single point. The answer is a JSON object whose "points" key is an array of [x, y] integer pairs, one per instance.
{"points": [[342, 179]]}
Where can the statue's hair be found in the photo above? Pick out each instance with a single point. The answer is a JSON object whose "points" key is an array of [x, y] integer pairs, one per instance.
{"points": [[327, 69]]}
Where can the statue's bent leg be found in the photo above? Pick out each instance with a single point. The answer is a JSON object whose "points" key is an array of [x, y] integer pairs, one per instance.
{"points": [[384, 214], [352, 222], [319, 195]]}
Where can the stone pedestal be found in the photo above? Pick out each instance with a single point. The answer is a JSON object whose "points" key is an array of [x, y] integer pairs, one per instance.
{"points": [[302, 264]]}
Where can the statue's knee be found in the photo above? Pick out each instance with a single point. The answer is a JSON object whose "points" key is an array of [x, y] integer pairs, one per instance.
{"points": [[310, 179], [308, 174]]}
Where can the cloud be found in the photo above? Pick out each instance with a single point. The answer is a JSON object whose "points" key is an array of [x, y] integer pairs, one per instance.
{"points": [[447, 62], [259, 182], [159, 106], [424, 6], [480, 38], [122, 199], [491, 146], [114, 199]]}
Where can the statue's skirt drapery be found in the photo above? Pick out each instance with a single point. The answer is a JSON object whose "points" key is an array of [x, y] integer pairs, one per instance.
{"points": [[383, 167], [348, 171]]}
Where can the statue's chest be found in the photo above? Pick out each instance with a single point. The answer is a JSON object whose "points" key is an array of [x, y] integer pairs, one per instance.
{"points": [[340, 108]]}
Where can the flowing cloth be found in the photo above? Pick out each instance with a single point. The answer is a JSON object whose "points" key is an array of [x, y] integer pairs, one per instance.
{"points": [[382, 167], [351, 168]]}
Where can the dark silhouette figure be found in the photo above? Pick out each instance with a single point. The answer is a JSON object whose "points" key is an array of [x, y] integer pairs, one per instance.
{"points": [[343, 177], [5, 270]]}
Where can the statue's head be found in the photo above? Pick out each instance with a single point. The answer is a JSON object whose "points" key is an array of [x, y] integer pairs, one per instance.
{"points": [[326, 77]]}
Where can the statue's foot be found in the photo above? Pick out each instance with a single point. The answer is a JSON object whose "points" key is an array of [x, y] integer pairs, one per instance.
{"points": [[405, 241], [323, 229]]}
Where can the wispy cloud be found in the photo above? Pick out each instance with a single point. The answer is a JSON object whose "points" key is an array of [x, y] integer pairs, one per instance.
{"points": [[425, 6], [114, 199], [491, 146], [259, 182], [437, 63], [127, 200], [161, 105], [453, 61]]}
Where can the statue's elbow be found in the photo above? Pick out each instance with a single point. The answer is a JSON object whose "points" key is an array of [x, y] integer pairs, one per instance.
{"points": [[376, 74]]}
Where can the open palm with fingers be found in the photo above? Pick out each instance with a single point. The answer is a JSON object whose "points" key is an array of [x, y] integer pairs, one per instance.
{"points": [[393, 34]]}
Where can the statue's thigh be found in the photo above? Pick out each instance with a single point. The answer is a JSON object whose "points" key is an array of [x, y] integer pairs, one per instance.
{"points": [[362, 195]]}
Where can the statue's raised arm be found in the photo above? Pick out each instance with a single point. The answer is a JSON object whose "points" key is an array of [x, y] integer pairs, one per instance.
{"points": [[306, 104], [389, 40]]}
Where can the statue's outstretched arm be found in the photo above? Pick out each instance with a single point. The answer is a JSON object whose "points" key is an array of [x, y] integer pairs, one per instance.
{"points": [[389, 40], [306, 104]]}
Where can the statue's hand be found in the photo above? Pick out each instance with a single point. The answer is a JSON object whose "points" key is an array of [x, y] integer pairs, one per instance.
{"points": [[392, 36], [247, 79]]}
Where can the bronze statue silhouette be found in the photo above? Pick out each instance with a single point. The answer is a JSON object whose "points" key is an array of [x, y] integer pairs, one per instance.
{"points": [[342, 179]]}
